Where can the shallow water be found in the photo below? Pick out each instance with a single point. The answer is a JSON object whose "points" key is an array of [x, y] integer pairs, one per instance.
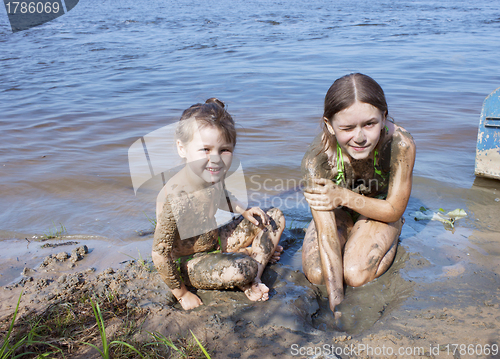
{"points": [[77, 92]]}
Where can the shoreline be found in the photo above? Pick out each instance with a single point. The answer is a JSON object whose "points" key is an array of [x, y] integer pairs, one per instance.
{"points": [[460, 305]]}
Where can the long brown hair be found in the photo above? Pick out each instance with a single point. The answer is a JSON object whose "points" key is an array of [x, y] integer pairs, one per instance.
{"points": [[344, 92]]}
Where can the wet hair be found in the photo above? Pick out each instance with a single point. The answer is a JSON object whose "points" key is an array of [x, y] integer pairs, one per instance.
{"points": [[345, 91], [211, 113]]}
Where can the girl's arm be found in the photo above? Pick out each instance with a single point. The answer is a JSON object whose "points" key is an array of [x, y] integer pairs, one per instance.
{"points": [[391, 209], [165, 234], [330, 253], [315, 165]]}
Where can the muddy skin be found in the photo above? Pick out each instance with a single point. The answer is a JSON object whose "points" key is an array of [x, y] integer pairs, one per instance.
{"points": [[219, 270], [205, 270], [241, 233], [311, 262], [316, 163], [168, 246], [358, 262], [360, 175]]}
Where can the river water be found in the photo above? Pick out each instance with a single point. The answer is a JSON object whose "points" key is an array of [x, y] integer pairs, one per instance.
{"points": [[77, 92]]}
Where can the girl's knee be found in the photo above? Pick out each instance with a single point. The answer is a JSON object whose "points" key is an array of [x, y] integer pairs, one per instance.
{"points": [[278, 217], [355, 278], [242, 272], [314, 275], [356, 275]]}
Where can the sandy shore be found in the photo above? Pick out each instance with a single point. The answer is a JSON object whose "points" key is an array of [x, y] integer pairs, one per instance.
{"points": [[453, 313]]}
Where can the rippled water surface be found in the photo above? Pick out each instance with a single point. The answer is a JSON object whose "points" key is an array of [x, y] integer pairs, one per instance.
{"points": [[77, 92]]}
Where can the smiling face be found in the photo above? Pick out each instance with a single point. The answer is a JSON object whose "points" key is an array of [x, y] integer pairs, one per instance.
{"points": [[357, 129], [208, 155]]}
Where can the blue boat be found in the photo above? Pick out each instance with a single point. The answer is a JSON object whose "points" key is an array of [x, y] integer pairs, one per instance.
{"points": [[488, 138]]}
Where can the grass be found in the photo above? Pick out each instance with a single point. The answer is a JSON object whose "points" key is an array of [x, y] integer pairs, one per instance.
{"points": [[9, 350], [151, 220], [146, 265], [300, 226], [184, 348], [102, 331], [201, 346], [66, 328], [54, 232]]}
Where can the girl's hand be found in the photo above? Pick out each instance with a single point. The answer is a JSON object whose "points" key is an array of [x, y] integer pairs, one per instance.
{"points": [[324, 195], [253, 212], [189, 301]]}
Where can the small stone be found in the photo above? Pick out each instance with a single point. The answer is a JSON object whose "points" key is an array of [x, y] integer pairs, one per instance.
{"points": [[62, 256], [109, 271], [26, 271], [82, 250]]}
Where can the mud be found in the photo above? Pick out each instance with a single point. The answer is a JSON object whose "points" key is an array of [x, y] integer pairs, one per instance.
{"points": [[442, 289], [195, 258], [219, 270]]}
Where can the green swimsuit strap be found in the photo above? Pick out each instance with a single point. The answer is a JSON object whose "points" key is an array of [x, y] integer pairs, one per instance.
{"points": [[375, 154], [377, 170], [340, 164], [340, 167]]}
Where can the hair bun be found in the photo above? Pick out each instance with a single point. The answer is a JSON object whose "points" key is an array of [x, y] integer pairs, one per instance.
{"points": [[215, 100]]}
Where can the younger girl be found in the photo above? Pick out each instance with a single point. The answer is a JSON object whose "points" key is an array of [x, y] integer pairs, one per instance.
{"points": [[359, 175], [188, 248]]}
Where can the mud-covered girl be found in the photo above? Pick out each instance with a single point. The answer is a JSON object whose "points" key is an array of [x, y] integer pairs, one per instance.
{"points": [[359, 177], [189, 249]]}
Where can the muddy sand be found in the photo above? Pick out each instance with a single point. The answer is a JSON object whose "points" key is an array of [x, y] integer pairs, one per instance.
{"points": [[435, 301]]}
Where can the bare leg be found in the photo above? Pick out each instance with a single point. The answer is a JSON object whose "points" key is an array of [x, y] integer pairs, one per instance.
{"points": [[311, 261], [263, 241], [218, 270], [370, 250]]}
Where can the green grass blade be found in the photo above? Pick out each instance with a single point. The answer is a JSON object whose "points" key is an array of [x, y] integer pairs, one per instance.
{"points": [[127, 345], [102, 329], [56, 349], [201, 346], [13, 348], [95, 347], [167, 342], [23, 354], [5, 344]]}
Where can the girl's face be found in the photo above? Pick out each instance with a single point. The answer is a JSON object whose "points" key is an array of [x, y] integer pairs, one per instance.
{"points": [[357, 129], [208, 155]]}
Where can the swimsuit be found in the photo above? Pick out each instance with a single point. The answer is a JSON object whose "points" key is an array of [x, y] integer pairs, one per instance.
{"points": [[340, 178], [341, 181]]}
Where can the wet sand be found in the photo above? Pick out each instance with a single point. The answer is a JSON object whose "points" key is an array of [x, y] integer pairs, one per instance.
{"points": [[425, 304]]}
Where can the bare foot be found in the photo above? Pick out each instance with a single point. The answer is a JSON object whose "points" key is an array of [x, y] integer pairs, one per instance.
{"points": [[276, 255], [190, 301], [256, 291]]}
